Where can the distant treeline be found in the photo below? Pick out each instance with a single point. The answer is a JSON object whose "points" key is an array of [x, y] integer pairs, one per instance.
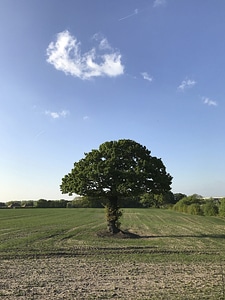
{"points": [[143, 201], [41, 203], [194, 204]]}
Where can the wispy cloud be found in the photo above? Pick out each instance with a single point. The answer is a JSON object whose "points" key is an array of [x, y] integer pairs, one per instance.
{"points": [[65, 55], [57, 115], [185, 84], [103, 43], [146, 76], [85, 118], [158, 3], [136, 11], [209, 102]]}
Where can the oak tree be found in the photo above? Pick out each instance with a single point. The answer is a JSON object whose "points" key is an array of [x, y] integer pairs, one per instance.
{"points": [[117, 169]]}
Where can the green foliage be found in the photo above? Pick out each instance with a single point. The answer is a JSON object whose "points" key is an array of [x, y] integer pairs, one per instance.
{"points": [[152, 200], [168, 198], [42, 203], [95, 202], [183, 204], [210, 208], [196, 205], [156, 200], [195, 209], [147, 200], [98, 202], [117, 169], [178, 197], [87, 202], [222, 207], [120, 168], [129, 202], [80, 202]]}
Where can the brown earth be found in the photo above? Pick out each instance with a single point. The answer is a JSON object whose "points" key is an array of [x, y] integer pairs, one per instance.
{"points": [[86, 278]]}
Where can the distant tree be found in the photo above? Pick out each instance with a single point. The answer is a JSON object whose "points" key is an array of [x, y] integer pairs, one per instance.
{"points": [[69, 204], [132, 201], [57, 203], [151, 200], [94, 202], [51, 204], [42, 203], [156, 200], [195, 209], [178, 197], [146, 200], [99, 202], [168, 199], [210, 208], [196, 196], [63, 203], [117, 169], [81, 202]]}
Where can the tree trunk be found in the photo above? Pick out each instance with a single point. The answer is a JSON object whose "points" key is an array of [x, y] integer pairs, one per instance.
{"points": [[112, 214]]}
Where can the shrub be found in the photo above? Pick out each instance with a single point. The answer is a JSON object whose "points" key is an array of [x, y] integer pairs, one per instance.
{"points": [[210, 209], [184, 204], [222, 207], [195, 209], [181, 206]]}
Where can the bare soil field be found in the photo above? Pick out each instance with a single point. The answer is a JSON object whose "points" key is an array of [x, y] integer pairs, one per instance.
{"points": [[103, 277]]}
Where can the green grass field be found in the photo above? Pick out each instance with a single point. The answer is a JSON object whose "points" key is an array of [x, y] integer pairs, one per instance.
{"points": [[57, 254], [35, 232]]}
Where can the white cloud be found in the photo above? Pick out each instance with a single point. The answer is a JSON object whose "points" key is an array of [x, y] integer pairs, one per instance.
{"points": [[158, 3], [146, 76], [85, 118], [57, 115], [188, 83], [209, 102], [65, 55]]}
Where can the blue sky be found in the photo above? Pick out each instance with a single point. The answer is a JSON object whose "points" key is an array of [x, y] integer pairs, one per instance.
{"points": [[75, 74]]}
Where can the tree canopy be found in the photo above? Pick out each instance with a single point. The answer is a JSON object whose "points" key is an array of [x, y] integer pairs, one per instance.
{"points": [[117, 169]]}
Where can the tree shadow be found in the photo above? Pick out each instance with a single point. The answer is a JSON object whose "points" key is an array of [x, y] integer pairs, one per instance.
{"points": [[212, 236], [126, 234], [119, 235]]}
